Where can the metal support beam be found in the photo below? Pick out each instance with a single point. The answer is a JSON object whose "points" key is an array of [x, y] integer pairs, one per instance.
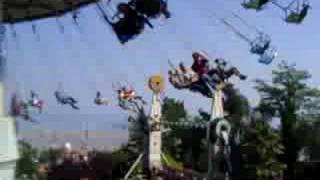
{"points": [[155, 139], [133, 167], [217, 112]]}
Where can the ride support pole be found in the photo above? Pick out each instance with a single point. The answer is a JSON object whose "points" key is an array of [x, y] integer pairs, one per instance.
{"points": [[216, 112]]}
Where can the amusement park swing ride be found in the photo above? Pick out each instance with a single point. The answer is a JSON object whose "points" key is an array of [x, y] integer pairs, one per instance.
{"points": [[128, 22]]}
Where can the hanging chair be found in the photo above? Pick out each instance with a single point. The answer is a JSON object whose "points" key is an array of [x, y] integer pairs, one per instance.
{"points": [[129, 24], [36, 102], [255, 4], [99, 100], [151, 8], [268, 56], [260, 44], [64, 99], [297, 16]]}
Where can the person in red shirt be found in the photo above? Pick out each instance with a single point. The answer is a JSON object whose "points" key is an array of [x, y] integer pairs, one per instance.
{"points": [[200, 64], [19, 108], [201, 67]]}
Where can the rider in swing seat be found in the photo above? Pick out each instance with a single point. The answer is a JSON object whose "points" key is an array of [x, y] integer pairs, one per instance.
{"points": [[200, 64], [261, 44], [63, 98], [188, 74], [196, 85], [99, 100], [187, 78], [151, 8], [221, 74], [174, 79], [255, 4], [130, 24], [35, 101], [298, 17], [182, 78], [19, 108], [129, 94], [127, 102], [201, 67]]}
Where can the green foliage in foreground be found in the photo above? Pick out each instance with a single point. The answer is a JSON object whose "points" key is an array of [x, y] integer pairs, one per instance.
{"points": [[27, 165]]}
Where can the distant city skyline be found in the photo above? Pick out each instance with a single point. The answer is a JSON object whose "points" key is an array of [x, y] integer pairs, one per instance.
{"points": [[57, 138]]}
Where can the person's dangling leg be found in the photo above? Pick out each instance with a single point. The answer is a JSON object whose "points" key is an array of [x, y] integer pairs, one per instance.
{"points": [[74, 106], [73, 100]]}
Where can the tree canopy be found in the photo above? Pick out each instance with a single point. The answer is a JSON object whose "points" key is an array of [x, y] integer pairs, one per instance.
{"points": [[291, 99]]}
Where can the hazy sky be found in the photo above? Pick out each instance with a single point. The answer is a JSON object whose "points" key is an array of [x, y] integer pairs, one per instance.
{"points": [[91, 59]]}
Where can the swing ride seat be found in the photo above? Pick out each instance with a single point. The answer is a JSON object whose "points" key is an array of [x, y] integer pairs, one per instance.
{"points": [[268, 56], [197, 87], [296, 14], [260, 44], [294, 18], [127, 29], [130, 25], [38, 103], [101, 101], [123, 33], [151, 8], [255, 4], [298, 17]]}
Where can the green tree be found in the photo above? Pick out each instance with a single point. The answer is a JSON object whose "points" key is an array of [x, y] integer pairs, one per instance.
{"points": [[188, 144], [138, 137], [101, 164], [268, 147], [183, 143], [173, 111], [27, 165], [120, 165], [50, 155], [309, 135], [289, 98], [238, 108]]}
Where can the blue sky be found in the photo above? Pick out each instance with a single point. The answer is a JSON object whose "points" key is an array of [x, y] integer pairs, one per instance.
{"points": [[91, 60]]}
